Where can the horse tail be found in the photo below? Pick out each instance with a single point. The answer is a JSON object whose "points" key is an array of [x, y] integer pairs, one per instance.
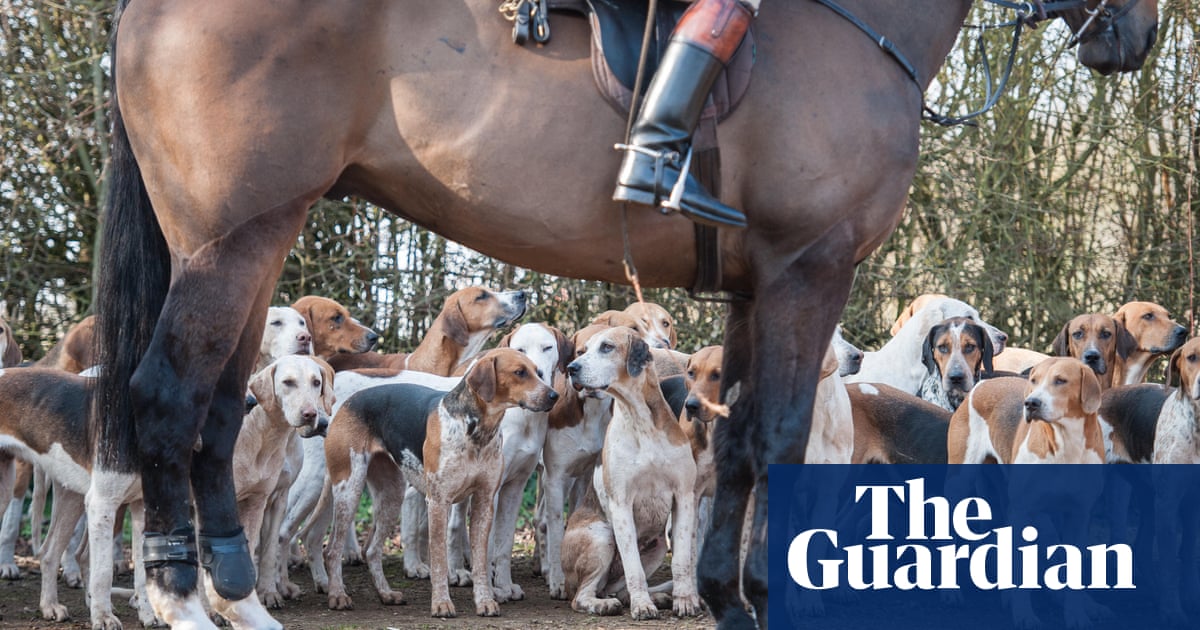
{"points": [[133, 273]]}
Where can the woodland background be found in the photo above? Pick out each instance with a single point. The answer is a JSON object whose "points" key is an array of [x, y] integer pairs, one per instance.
{"points": [[1075, 194]]}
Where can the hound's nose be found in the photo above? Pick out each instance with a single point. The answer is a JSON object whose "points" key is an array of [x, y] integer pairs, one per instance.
{"points": [[322, 427], [1032, 407], [1180, 335], [304, 338], [573, 368], [251, 402], [309, 417], [372, 337], [1091, 356], [553, 395], [692, 404], [958, 379]]}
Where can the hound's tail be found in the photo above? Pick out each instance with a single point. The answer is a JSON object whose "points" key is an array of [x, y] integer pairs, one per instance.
{"points": [[133, 273]]}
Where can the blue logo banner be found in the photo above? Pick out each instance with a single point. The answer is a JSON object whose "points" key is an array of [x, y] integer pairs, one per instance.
{"points": [[981, 547]]}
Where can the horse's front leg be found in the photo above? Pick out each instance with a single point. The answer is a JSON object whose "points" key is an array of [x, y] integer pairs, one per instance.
{"points": [[796, 312], [719, 563]]}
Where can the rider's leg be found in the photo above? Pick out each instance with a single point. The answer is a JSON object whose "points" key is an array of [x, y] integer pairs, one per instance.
{"points": [[702, 43]]}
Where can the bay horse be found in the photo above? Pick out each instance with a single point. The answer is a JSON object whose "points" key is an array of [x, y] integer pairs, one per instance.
{"points": [[234, 117]]}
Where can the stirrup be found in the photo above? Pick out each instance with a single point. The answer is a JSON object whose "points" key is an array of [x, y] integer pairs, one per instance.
{"points": [[661, 158]]}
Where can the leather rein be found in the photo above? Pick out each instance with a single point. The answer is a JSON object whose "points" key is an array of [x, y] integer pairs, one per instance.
{"points": [[1100, 19]]}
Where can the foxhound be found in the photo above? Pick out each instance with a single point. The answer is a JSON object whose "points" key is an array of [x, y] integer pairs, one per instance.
{"points": [[898, 363], [1098, 340], [334, 331], [575, 437], [10, 350], [655, 323], [957, 353], [445, 444], [1177, 441], [646, 474], [467, 320], [522, 435], [1051, 418], [895, 427], [1156, 334]]}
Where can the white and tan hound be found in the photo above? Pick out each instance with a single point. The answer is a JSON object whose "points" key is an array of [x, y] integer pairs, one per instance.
{"points": [[444, 443], [10, 350], [655, 323], [646, 474], [570, 453], [522, 435]]}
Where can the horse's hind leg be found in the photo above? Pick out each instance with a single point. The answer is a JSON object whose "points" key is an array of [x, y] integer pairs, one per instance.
{"points": [[718, 565], [192, 379]]}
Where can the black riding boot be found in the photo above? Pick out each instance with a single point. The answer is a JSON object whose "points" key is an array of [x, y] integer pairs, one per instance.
{"points": [[660, 143]]}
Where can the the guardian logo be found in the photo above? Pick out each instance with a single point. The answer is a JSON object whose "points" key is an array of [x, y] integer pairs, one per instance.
{"points": [[934, 543]]}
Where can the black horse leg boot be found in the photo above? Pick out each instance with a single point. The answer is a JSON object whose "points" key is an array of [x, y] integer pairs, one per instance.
{"points": [[660, 143]]}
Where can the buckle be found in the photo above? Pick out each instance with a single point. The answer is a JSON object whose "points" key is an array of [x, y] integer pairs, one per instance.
{"points": [[178, 546]]}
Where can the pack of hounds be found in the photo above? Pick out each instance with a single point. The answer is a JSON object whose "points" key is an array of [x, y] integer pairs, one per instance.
{"points": [[614, 420]]}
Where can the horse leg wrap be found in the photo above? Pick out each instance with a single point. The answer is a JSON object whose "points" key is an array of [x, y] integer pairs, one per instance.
{"points": [[228, 561], [178, 546]]}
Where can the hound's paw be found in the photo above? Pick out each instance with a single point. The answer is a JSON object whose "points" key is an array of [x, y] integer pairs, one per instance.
{"points": [[107, 622], [352, 557], [643, 611], [418, 572], [73, 578], [487, 608], [686, 606], [460, 577], [392, 598], [517, 594], [340, 601], [56, 612], [558, 591], [10, 572], [289, 590], [443, 609], [603, 607], [272, 600], [502, 593]]}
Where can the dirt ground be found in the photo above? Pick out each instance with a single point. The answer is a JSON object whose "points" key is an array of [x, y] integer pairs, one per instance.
{"points": [[19, 605]]}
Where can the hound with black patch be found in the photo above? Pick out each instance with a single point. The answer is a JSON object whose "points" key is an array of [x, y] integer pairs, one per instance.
{"points": [[443, 443], [646, 474], [956, 354]]}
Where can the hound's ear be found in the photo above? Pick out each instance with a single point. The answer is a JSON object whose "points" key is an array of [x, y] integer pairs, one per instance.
{"points": [[12, 351], [327, 376], [1119, 317], [1062, 343], [506, 340], [927, 349], [674, 339], [1089, 390], [482, 379], [903, 317], [829, 363], [1125, 341], [454, 324], [1174, 369], [639, 356], [987, 349], [262, 385], [566, 349]]}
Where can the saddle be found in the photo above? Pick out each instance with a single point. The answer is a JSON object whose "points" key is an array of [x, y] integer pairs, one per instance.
{"points": [[616, 42]]}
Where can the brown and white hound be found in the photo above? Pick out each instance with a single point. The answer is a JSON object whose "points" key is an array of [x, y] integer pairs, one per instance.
{"points": [[466, 321], [334, 331], [1156, 334], [1098, 340], [10, 350], [389, 436], [646, 474]]}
